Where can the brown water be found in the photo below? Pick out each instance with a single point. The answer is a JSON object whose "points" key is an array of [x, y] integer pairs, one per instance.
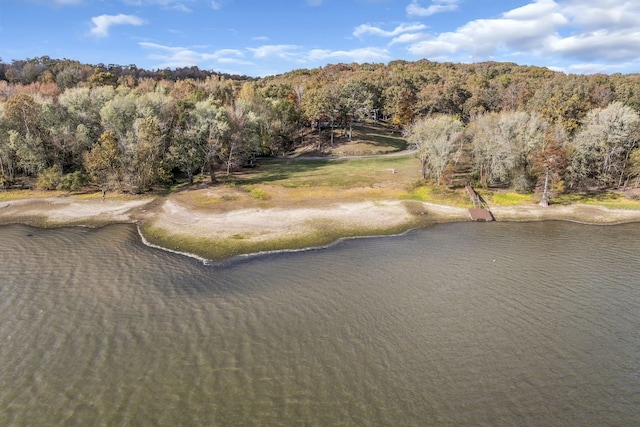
{"points": [[459, 324]]}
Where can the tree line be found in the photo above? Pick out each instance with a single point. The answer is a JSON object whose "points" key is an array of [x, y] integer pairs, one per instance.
{"points": [[64, 124]]}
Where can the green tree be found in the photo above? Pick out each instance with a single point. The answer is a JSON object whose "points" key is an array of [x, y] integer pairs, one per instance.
{"points": [[82, 107], [72, 181], [279, 118], [356, 100], [29, 152], [158, 105], [7, 154], [144, 159], [209, 125], [184, 151], [7, 160], [119, 114]]}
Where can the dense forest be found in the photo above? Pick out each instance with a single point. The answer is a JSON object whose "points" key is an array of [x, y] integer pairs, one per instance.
{"points": [[64, 124]]}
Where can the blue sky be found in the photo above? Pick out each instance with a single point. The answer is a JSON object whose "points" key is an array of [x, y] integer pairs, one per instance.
{"points": [[259, 38]]}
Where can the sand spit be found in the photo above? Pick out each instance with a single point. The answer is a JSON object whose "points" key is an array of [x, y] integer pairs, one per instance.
{"points": [[261, 225]]}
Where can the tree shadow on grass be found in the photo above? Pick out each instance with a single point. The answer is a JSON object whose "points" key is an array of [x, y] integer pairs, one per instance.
{"points": [[270, 171], [590, 196], [398, 144]]}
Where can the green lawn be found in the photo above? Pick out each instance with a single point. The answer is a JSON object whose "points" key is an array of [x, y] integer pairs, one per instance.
{"points": [[334, 173]]}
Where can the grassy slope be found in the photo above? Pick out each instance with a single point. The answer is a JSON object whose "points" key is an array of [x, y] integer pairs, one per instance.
{"points": [[291, 183]]}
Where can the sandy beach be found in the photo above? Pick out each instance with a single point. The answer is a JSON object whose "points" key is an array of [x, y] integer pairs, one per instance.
{"points": [[261, 225]]}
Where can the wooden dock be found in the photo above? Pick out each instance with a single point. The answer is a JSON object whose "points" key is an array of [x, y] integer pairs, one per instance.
{"points": [[479, 214], [480, 210]]}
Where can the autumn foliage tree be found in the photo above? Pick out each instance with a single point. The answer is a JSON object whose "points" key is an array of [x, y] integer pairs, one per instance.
{"points": [[134, 129], [104, 162]]}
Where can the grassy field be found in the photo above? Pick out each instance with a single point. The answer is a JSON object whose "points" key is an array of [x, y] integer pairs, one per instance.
{"points": [[610, 200], [305, 183]]}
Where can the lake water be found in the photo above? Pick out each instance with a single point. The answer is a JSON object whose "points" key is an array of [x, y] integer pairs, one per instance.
{"points": [[459, 324]]}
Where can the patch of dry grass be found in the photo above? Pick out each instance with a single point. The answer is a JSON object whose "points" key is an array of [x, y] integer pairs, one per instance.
{"points": [[438, 194], [29, 194], [509, 198]]}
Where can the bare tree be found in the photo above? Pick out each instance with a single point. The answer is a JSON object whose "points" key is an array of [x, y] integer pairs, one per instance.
{"points": [[503, 146], [603, 146], [435, 139]]}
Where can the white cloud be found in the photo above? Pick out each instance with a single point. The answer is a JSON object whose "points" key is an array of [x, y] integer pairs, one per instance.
{"points": [[181, 7], [314, 2], [282, 51], [366, 29], [527, 28], [235, 61], [102, 23], [370, 54], [437, 6], [598, 45], [229, 52], [612, 14], [408, 38], [609, 30], [55, 2], [176, 56], [434, 48], [216, 5], [593, 68], [178, 5], [545, 32], [297, 54]]}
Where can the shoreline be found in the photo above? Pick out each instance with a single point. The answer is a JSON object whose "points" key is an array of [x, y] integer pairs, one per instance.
{"points": [[211, 236]]}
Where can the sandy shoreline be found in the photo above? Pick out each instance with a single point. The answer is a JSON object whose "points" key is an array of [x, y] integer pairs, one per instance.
{"points": [[260, 226], [58, 211]]}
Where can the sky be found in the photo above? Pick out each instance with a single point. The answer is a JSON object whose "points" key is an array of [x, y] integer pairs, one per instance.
{"points": [[266, 37]]}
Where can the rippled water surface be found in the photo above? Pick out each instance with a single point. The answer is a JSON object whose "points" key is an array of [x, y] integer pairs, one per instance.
{"points": [[459, 324]]}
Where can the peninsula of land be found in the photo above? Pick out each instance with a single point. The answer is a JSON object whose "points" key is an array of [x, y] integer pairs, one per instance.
{"points": [[185, 222]]}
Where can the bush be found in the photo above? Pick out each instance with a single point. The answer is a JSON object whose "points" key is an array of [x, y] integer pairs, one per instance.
{"points": [[72, 181], [523, 183], [49, 178], [259, 193]]}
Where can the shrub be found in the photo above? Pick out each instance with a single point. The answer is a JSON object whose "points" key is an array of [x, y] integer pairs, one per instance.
{"points": [[258, 193], [72, 181], [49, 178]]}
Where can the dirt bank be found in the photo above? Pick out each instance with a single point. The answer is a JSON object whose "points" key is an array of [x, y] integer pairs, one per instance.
{"points": [[257, 227]]}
